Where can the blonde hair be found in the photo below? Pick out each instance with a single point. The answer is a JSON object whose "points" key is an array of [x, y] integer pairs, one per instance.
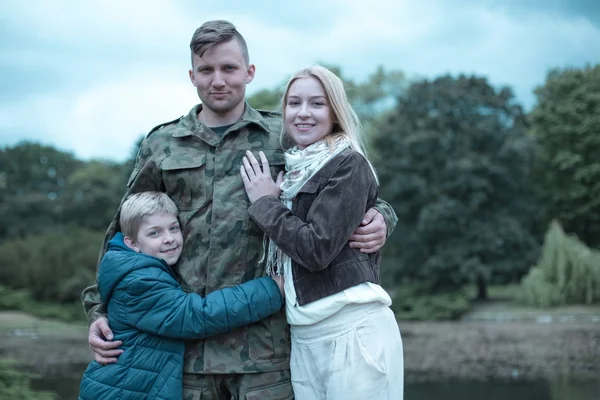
{"points": [[346, 122], [142, 205]]}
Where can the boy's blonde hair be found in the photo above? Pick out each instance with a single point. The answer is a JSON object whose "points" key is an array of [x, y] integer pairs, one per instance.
{"points": [[346, 122], [140, 206]]}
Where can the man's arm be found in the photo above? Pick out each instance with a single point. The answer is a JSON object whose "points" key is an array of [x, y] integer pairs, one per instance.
{"points": [[389, 215], [376, 226]]}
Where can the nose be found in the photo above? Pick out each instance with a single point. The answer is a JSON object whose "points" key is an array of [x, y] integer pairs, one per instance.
{"points": [[168, 238], [304, 111], [218, 80]]}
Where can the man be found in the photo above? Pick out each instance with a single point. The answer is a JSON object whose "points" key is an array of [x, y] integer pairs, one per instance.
{"points": [[196, 161]]}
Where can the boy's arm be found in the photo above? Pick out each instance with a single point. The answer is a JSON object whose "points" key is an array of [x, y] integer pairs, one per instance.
{"points": [[156, 304], [145, 177]]}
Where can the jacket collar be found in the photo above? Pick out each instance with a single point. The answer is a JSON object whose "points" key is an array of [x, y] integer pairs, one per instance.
{"points": [[190, 126]]}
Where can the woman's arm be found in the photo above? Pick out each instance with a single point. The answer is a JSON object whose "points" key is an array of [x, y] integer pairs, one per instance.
{"points": [[333, 216]]}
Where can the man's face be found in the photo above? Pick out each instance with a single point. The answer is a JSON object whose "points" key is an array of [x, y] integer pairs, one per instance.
{"points": [[220, 77]]}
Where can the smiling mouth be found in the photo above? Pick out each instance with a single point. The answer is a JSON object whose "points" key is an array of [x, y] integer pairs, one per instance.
{"points": [[304, 127], [170, 250]]}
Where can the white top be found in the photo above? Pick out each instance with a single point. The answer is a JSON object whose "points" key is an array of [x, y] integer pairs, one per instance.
{"points": [[318, 310]]}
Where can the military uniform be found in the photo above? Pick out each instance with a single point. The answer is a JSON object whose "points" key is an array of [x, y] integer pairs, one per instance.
{"points": [[200, 171]]}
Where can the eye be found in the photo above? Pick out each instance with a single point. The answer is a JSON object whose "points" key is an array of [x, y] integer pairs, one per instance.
{"points": [[229, 68], [293, 102], [174, 229], [318, 103], [153, 233]]}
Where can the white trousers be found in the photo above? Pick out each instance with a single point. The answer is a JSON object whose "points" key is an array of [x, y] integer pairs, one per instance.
{"points": [[354, 354]]}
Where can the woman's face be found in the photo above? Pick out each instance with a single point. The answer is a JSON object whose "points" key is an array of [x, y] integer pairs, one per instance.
{"points": [[308, 114]]}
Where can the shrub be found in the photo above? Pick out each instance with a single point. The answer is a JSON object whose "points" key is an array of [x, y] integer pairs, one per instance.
{"points": [[14, 384], [54, 267], [412, 302]]}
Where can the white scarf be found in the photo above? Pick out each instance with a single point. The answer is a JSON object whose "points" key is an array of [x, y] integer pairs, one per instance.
{"points": [[301, 165]]}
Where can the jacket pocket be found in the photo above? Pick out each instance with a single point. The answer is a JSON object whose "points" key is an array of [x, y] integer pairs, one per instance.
{"points": [[269, 339], [305, 198], [276, 161], [185, 181], [274, 157]]}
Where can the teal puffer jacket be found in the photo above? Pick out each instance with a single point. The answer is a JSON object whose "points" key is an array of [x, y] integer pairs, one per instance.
{"points": [[151, 314]]}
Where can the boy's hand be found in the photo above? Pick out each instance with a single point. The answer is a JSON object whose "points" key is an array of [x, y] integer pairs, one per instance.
{"points": [[105, 351], [280, 281]]}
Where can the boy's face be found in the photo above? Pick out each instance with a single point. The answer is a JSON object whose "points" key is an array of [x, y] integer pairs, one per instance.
{"points": [[159, 236]]}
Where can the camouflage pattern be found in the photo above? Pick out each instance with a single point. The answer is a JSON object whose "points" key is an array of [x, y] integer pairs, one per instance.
{"points": [[274, 385], [200, 171]]}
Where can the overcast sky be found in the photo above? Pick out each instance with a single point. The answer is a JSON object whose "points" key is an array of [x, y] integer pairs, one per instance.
{"points": [[90, 77]]}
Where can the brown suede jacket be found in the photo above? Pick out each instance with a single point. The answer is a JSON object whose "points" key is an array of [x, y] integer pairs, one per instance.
{"points": [[315, 233]]}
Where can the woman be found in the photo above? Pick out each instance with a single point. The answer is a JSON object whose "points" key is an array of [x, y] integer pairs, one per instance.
{"points": [[345, 340]]}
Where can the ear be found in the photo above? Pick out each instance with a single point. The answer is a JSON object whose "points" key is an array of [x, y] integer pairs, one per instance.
{"points": [[250, 71], [191, 74], [129, 242]]}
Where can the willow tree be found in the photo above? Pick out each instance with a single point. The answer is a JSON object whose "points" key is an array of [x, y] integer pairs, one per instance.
{"points": [[568, 272]]}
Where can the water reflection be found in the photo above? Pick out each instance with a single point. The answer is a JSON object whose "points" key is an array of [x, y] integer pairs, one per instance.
{"points": [[67, 388], [553, 390]]}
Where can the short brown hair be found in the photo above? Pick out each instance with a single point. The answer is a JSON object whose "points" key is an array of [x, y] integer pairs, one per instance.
{"points": [[142, 205], [216, 32]]}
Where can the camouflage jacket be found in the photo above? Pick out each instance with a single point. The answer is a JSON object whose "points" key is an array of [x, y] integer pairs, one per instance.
{"points": [[200, 171]]}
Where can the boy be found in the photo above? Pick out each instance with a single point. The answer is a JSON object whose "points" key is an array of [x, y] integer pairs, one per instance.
{"points": [[151, 314]]}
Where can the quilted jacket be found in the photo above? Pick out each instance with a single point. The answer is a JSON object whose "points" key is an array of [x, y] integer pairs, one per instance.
{"points": [[152, 315]]}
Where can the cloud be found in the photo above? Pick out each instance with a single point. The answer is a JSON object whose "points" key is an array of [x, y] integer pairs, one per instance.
{"points": [[90, 77]]}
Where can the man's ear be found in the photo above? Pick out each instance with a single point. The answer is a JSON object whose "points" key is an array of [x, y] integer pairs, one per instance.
{"points": [[129, 242], [250, 71]]}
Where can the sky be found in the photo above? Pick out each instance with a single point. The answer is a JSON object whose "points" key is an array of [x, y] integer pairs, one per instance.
{"points": [[91, 77]]}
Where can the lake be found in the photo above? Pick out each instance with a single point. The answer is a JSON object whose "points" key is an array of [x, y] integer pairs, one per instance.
{"points": [[67, 388]]}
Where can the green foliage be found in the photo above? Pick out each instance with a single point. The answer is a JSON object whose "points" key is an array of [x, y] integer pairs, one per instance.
{"points": [[568, 272], [42, 189], [370, 98], [14, 384], [565, 123], [266, 99], [54, 266], [455, 164], [413, 302], [374, 96], [34, 179], [21, 300], [93, 195]]}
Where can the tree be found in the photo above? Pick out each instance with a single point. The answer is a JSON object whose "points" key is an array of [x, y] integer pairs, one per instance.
{"points": [[93, 194], [568, 272], [34, 178], [566, 125], [371, 98], [455, 164], [266, 99], [55, 266]]}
